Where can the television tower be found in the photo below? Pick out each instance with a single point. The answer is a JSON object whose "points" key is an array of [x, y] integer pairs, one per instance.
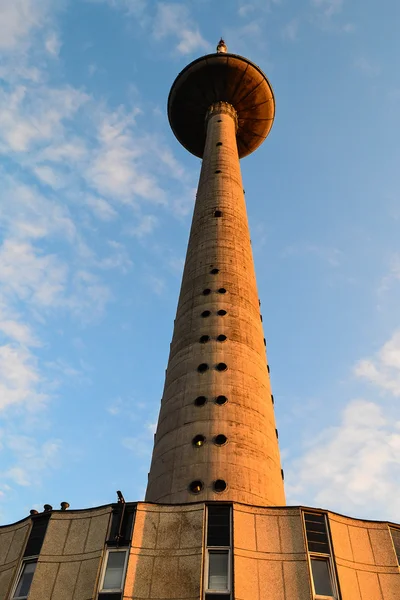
{"points": [[216, 437]]}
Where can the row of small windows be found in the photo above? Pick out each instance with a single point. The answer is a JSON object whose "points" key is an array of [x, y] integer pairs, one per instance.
{"points": [[206, 338], [203, 367], [219, 440], [196, 486], [201, 400], [207, 313], [207, 291]]}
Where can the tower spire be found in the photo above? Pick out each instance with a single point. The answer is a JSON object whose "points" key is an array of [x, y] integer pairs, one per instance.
{"points": [[216, 435], [222, 47]]}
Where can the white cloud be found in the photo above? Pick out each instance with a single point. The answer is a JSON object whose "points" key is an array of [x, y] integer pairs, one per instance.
{"points": [[18, 332], [367, 66], [20, 381], [384, 369], [332, 256], [173, 20], [31, 459], [353, 467], [30, 116], [30, 275], [50, 176], [329, 7], [18, 18], [119, 168], [157, 284], [53, 44], [101, 208], [145, 226], [290, 30], [248, 8]]}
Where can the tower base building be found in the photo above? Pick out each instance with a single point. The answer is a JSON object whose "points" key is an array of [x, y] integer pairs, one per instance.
{"points": [[214, 525]]}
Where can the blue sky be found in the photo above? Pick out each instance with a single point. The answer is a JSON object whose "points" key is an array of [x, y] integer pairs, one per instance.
{"points": [[95, 205]]}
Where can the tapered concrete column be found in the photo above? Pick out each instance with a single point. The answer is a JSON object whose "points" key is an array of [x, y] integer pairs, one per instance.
{"points": [[218, 298]]}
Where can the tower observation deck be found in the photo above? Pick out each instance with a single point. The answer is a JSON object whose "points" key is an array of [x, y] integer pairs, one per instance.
{"points": [[216, 437]]}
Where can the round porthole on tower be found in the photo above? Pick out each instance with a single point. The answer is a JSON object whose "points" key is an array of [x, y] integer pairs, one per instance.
{"points": [[220, 439], [198, 441], [219, 486], [200, 401], [196, 486], [221, 366], [202, 368], [220, 400]]}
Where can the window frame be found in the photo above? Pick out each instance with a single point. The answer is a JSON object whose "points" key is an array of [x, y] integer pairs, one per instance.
{"points": [[24, 562], [104, 569], [397, 529], [321, 556], [328, 559], [222, 550]]}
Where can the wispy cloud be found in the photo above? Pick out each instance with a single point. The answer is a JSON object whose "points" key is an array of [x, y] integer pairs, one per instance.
{"points": [[367, 66], [328, 7], [174, 20], [31, 459], [353, 466], [330, 255], [383, 370], [53, 44], [18, 19], [290, 30]]}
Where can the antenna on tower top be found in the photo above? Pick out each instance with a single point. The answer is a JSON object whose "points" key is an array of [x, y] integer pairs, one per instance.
{"points": [[222, 47]]}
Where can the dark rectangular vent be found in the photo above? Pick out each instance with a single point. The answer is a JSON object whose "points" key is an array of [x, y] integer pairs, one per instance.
{"points": [[316, 532], [110, 596], [396, 541], [218, 596], [120, 533], [219, 525], [36, 536]]}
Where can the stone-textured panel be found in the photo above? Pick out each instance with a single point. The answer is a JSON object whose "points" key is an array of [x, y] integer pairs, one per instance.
{"points": [[166, 554], [270, 561], [43, 581], [365, 558], [12, 545]]}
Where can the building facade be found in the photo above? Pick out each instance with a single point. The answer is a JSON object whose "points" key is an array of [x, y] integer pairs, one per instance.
{"points": [[214, 525]]}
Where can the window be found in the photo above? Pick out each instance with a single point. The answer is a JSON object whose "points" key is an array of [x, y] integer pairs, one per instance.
{"points": [[218, 570], [25, 579], [200, 401], [221, 400], [114, 571], [322, 577], [219, 555], [320, 556], [396, 541], [196, 486]]}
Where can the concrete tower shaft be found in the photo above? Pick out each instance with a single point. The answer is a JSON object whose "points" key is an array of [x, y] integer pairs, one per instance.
{"points": [[217, 427]]}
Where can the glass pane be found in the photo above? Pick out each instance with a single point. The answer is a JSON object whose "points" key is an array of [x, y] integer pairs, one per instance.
{"points": [[25, 580], [218, 570], [322, 578], [114, 571]]}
